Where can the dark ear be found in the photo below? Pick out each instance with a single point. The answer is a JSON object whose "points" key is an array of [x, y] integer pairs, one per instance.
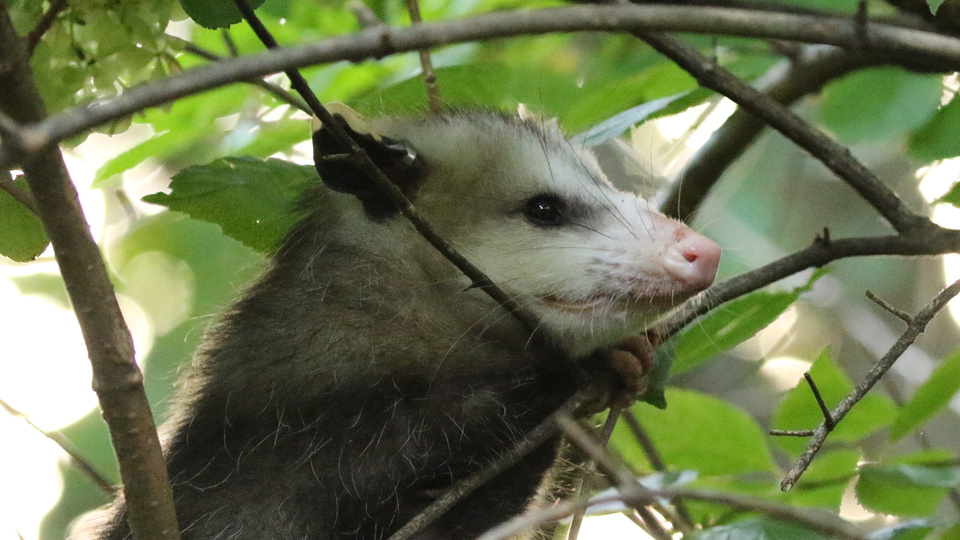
{"points": [[397, 159]]}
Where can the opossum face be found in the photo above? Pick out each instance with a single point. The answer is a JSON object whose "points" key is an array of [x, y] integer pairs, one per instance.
{"points": [[537, 215]]}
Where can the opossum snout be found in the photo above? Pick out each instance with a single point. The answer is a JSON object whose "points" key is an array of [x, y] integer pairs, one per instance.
{"points": [[692, 259]]}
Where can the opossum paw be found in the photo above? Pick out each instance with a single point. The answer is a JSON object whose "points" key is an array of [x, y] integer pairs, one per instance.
{"points": [[632, 360]]}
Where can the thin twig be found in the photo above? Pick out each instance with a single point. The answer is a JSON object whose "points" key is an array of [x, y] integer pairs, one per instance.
{"points": [[685, 521], [382, 41], [45, 23], [364, 15], [914, 329], [478, 279], [280, 92], [897, 312], [828, 420], [624, 480], [791, 432], [591, 468], [76, 455], [429, 77], [229, 43]]}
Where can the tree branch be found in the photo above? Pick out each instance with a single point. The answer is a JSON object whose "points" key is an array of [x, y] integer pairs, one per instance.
{"points": [[933, 240], [426, 65], [116, 377], [834, 155], [727, 144], [281, 93], [914, 328], [33, 38], [381, 41]]}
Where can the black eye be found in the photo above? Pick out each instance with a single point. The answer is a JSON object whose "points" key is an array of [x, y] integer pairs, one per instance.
{"points": [[545, 211]]}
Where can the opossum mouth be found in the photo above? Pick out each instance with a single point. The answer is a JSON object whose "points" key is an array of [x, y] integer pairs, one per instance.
{"points": [[607, 302], [578, 305]]}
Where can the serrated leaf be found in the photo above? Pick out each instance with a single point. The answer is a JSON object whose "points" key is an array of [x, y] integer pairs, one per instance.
{"points": [[251, 200], [932, 397], [763, 528], [737, 444], [940, 137], [215, 13], [22, 237], [799, 409], [880, 103], [905, 490]]}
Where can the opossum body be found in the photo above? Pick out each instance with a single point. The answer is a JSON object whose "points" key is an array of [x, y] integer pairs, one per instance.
{"points": [[362, 375]]}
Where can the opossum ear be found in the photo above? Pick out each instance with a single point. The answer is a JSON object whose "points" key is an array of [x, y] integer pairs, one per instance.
{"points": [[339, 170]]}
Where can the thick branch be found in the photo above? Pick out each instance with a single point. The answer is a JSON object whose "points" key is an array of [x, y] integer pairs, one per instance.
{"points": [[834, 155], [116, 377], [728, 143], [381, 41]]}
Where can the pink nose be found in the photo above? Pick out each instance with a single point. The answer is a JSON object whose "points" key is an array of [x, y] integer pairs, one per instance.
{"points": [[693, 259]]}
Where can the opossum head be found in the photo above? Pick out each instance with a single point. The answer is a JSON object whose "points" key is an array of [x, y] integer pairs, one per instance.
{"points": [[534, 212]]}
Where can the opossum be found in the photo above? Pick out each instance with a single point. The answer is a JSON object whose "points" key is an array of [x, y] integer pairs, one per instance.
{"points": [[362, 374]]}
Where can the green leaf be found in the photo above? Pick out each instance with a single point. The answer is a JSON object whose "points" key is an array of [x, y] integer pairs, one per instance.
{"points": [[905, 490], [734, 323], [138, 154], [729, 326], [940, 137], [215, 13], [826, 480], [932, 397], [736, 443], [879, 104], [917, 529], [763, 528], [251, 200], [799, 409], [49, 286], [493, 85], [22, 237], [618, 123], [934, 5], [654, 83]]}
